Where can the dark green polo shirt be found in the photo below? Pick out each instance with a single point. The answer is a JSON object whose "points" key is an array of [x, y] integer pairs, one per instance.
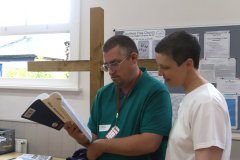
{"points": [[146, 109]]}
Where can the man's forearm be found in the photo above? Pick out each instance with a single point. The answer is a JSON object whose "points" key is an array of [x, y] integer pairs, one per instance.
{"points": [[133, 145]]}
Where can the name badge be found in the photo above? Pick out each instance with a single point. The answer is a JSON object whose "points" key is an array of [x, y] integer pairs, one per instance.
{"points": [[104, 128], [113, 132]]}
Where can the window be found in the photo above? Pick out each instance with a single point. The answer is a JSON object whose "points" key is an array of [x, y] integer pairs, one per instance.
{"points": [[37, 30]]}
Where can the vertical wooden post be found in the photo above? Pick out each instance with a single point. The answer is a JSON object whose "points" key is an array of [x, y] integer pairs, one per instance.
{"points": [[96, 58]]}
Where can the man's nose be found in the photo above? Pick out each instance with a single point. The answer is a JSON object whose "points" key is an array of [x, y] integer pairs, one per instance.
{"points": [[111, 71]]}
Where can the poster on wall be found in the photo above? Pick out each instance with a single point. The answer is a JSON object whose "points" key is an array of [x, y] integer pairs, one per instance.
{"points": [[217, 44], [232, 102], [213, 68], [145, 39], [228, 86]]}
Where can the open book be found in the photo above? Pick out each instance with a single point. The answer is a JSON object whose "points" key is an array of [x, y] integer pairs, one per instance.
{"points": [[53, 111]]}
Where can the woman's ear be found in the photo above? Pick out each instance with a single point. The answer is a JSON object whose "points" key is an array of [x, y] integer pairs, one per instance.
{"points": [[189, 62]]}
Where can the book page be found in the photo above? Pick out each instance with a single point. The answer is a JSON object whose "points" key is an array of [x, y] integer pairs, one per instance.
{"points": [[54, 103], [76, 119]]}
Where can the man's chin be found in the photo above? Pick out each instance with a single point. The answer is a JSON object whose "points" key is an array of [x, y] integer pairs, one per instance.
{"points": [[118, 84], [115, 82]]}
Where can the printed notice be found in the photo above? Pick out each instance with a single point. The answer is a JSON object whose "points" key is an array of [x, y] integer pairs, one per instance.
{"points": [[146, 40], [213, 68], [217, 44], [228, 86]]}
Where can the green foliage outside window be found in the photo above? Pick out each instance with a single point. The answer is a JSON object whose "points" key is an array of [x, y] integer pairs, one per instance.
{"points": [[24, 74]]}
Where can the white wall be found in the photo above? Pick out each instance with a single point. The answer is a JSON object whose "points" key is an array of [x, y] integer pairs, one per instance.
{"points": [[129, 14]]}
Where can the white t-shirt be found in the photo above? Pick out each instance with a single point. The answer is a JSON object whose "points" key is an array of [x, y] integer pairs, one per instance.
{"points": [[203, 121]]}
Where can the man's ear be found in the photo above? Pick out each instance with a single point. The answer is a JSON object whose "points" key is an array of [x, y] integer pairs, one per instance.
{"points": [[134, 57]]}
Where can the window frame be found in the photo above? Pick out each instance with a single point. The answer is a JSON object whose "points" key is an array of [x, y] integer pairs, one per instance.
{"points": [[72, 83]]}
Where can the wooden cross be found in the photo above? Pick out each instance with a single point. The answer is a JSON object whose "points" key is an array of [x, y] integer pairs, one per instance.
{"points": [[93, 65]]}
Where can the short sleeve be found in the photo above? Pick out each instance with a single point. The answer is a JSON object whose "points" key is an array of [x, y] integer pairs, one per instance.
{"points": [[157, 116], [209, 126]]}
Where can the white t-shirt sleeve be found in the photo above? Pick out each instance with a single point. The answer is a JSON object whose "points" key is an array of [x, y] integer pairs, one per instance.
{"points": [[208, 125]]}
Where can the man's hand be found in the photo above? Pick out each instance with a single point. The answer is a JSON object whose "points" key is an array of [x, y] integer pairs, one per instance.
{"points": [[77, 134], [96, 149]]}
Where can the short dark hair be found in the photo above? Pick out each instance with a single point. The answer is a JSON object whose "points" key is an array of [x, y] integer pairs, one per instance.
{"points": [[124, 42], [180, 46]]}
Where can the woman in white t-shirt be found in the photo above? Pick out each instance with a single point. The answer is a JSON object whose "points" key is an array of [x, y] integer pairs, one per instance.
{"points": [[202, 130]]}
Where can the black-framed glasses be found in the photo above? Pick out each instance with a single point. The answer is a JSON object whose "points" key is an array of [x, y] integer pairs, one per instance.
{"points": [[112, 66]]}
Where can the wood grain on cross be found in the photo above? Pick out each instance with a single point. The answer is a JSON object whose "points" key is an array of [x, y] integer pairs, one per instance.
{"points": [[93, 65]]}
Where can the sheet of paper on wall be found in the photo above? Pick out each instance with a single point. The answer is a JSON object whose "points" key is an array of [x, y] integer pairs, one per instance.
{"points": [[217, 44], [233, 104], [228, 86], [145, 39], [212, 68], [53, 111]]}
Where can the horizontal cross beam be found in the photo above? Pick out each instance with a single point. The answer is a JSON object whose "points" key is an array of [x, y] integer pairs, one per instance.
{"points": [[49, 66], [78, 65]]}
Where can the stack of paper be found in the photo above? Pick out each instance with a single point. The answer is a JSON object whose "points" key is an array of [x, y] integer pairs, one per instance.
{"points": [[33, 157]]}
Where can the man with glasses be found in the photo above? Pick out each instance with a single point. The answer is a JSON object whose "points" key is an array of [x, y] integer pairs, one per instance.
{"points": [[130, 117]]}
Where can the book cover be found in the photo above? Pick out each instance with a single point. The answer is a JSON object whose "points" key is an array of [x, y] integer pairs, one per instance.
{"points": [[40, 113], [53, 111]]}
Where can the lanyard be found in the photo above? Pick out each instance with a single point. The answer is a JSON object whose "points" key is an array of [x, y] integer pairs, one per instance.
{"points": [[119, 101]]}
